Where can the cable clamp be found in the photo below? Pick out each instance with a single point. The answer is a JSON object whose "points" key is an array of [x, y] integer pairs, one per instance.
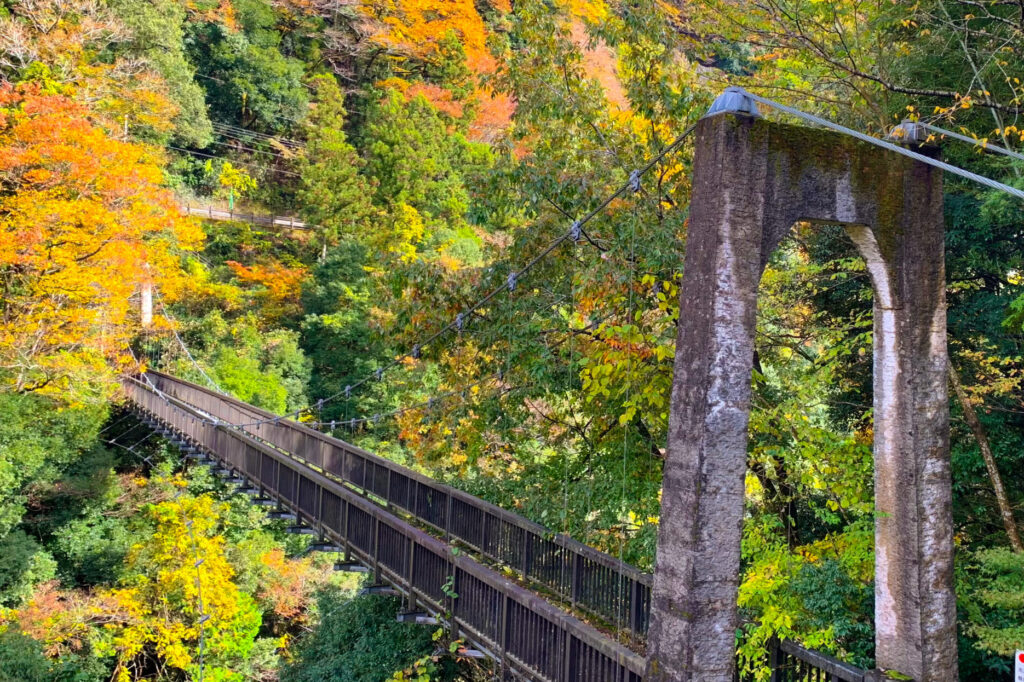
{"points": [[379, 373], [348, 392], [460, 321], [416, 352], [512, 280], [634, 180], [576, 231]]}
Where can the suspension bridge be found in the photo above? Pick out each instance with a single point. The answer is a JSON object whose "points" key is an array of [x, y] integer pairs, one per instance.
{"points": [[546, 607]]}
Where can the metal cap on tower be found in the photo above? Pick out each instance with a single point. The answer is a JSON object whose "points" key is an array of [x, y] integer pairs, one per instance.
{"points": [[735, 100], [909, 132]]}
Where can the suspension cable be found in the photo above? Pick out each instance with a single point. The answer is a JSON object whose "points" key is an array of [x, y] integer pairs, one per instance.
{"points": [[942, 165], [575, 233], [188, 353], [514, 277], [971, 140]]}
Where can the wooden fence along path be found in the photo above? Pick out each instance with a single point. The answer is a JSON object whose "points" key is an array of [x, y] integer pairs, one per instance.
{"points": [[405, 528]]}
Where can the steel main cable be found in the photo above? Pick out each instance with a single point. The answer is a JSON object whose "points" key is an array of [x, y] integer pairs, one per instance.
{"points": [[973, 141], [942, 165]]}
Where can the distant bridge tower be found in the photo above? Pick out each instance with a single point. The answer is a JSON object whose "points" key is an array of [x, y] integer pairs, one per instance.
{"points": [[753, 180]]}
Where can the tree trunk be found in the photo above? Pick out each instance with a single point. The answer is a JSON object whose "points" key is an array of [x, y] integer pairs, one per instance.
{"points": [[1005, 510]]}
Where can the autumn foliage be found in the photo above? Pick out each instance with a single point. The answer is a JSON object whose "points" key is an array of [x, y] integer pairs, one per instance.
{"points": [[84, 220], [278, 286]]}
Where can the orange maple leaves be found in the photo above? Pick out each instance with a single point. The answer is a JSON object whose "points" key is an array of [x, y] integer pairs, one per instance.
{"points": [[84, 219], [280, 286], [415, 28]]}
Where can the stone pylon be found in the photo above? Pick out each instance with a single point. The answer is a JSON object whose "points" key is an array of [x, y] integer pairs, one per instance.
{"points": [[753, 180]]}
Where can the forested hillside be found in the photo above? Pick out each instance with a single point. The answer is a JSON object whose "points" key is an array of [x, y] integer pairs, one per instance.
{"points": [[429, 148]]}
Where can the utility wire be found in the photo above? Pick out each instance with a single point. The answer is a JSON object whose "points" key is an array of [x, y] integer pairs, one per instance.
{"points": [[221, 158], [243, 148], [288, 142]]}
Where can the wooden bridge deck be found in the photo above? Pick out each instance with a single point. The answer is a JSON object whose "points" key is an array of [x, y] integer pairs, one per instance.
{"points": [[377, 512]]}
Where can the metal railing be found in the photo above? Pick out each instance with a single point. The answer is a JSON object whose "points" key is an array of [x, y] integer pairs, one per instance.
{"points": [[790, 662], [526, 635], [494, 613], [581, 576]]}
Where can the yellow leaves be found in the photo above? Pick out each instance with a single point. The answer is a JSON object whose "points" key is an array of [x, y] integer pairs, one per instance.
{"points": [[591, 11], [180, 574], [236, 180], [415, 27], [407, 230]]}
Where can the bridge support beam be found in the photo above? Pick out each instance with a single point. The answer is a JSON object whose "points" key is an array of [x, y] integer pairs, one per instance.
{"points": [[753, 180]]}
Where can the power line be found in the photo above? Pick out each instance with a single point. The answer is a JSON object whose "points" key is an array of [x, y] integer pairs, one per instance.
{"points": [[255, 133], [242, 147], [278, 117], [221, 158]]}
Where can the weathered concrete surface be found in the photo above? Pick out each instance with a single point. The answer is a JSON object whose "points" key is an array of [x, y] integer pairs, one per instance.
{"points": [[752, 181]]}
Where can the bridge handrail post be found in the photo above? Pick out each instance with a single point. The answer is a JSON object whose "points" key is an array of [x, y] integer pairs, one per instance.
{"points": [[503, 634], [773, 660], [448, 519], [387, 494], [567, 656], [346, 531], [574, 590], [527, 546], [483, 534], [411, 601], [376, 550]]}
